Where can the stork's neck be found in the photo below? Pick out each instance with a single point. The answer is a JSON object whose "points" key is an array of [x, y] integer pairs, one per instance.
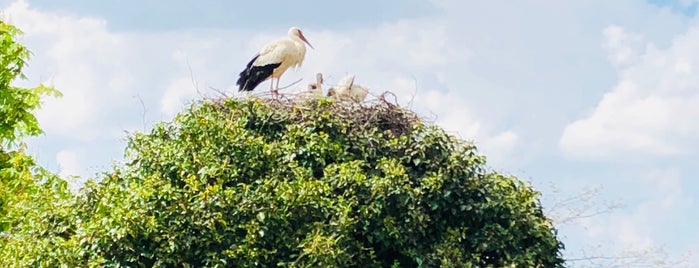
{"points": [[297, 40], [299, 43]]}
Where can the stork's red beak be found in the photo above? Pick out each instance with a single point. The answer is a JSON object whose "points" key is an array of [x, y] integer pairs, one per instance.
{"points": [[304, 39]]}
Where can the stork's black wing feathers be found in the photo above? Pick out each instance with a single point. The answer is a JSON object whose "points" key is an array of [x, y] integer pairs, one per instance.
{"points": [[252, 76]]}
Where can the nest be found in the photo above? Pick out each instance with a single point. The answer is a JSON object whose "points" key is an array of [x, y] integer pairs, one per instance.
{"points": [[379, 113]]}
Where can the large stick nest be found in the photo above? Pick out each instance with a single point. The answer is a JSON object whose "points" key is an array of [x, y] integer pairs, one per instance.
{"points": [[377, 113]]}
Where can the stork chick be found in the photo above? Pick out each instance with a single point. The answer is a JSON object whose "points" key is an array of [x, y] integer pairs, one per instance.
{"points": [[273, 60], [315, 90], [348, 90]]}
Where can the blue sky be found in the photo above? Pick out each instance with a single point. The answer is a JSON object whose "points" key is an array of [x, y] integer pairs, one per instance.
{"points": [[576, 94], [150, 15]]}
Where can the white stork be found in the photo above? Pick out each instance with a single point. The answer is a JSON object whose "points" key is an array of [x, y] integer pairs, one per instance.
{"points": [[315, 90], [273, 60], [348, 90]]}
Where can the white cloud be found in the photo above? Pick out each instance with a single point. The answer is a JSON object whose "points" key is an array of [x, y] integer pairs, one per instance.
{"points": [[450, 112], [653, 108], [664, 201], [70, 166], [173, 99], [68, 162], [624, 48], [503, 142], [687, 3]]}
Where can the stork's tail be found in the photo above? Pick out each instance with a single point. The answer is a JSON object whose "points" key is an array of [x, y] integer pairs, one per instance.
{"points": [[252, 76]]}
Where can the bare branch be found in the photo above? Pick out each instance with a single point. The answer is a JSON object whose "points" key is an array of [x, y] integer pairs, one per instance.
{"points": [[646, 257], [144, 111], [580, 206]]}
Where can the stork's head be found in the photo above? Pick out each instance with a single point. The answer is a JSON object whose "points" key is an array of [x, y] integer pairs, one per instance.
{"points": [[296, 32], [319, 78]]}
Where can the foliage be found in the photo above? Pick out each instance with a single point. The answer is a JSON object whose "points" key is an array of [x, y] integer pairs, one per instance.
{"points": [[16, 103], [29, 195], [240, 183]]}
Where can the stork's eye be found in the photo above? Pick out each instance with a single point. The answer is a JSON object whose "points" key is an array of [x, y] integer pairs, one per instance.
{"points": [[313, 87]]}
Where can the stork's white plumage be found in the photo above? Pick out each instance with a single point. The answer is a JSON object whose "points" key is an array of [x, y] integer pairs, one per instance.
{"points": [[273, 60], [348, 90]]}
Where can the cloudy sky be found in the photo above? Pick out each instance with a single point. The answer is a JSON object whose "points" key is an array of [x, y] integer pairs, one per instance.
{"points": [[583, 99]]}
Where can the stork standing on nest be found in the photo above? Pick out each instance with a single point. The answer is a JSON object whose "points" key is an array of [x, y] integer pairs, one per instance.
{"points": [[273, 60]]}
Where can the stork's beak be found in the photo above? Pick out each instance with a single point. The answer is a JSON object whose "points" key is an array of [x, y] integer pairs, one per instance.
{"points": [[304, 39]]}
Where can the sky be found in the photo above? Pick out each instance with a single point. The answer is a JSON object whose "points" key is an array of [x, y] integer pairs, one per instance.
{"points": [[591, 101]]}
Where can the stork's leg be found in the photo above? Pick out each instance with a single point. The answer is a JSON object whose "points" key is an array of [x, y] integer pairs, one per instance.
{"points": [[272, 89]]}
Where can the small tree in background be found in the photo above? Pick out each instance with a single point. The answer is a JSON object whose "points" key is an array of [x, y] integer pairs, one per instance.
{"points": [[572, 210]]}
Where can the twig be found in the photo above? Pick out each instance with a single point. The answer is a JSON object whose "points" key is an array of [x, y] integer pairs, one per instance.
{"points": [[144, 110], [191, 76], [294, 83], [219, 92], [412, 98]]}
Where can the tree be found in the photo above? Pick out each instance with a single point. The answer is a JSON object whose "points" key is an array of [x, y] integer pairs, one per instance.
{"points": [[28, 193], [570, 210], [239, 183]]}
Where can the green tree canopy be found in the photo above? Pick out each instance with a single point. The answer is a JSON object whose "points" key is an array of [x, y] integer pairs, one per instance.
{"points": [[240, 183], [16, 103], [28, 193]]}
